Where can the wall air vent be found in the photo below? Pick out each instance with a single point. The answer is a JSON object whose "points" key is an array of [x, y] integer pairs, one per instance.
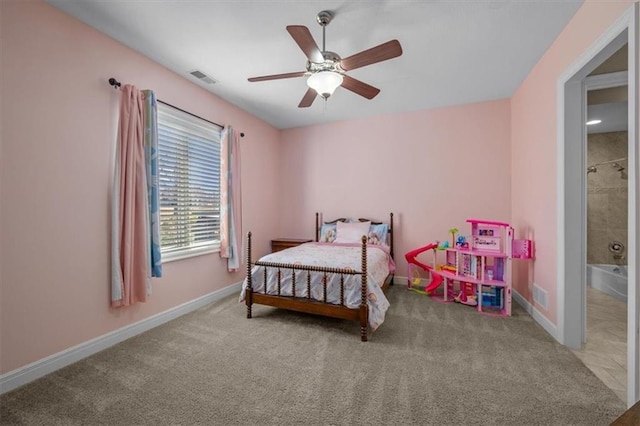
{"points": [[202, 76], [540, 296]]}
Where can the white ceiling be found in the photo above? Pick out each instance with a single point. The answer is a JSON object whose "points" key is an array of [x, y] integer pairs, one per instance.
{"points": [[455, 52], [614, 116]]}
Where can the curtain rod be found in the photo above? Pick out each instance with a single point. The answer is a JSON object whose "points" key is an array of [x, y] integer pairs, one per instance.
{"points": [[116, 85], [608, 162]]}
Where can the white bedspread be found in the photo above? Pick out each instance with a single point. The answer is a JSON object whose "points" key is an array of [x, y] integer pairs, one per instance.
{"points": [[379, 265]]}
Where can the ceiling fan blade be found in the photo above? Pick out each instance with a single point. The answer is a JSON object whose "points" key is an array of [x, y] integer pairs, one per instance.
{"points": [[359, 87], [379, 53], [303, 37], [307, 99], [277, 76]]}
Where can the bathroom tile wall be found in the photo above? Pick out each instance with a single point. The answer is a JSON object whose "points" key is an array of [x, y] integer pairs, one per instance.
{"points": [[606, 197]]}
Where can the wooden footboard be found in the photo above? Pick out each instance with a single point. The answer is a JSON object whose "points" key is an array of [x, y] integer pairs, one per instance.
{"points": [[307, 304]]}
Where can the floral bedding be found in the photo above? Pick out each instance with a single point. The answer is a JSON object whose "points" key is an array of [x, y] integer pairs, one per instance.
{"points": [[346, 256]]}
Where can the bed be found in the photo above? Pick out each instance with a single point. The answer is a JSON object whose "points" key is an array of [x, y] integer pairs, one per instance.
{"points": [[340, 275]]}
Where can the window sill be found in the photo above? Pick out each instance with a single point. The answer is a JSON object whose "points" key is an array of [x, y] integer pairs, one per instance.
{"points": [[185, 254]]}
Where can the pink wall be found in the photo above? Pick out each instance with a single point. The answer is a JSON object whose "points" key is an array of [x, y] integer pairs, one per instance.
{"points": [[58, 133], [533, 144], [434, 169]]}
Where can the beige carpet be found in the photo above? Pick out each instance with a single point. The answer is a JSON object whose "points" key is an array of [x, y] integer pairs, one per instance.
{"points": [[429, 363]]}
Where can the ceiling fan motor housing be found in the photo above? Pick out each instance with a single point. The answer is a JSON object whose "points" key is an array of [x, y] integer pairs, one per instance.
{"points": [[331, 63]]}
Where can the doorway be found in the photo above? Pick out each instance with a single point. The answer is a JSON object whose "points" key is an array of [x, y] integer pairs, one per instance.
{"points": [[604, 343], [572, 193]]}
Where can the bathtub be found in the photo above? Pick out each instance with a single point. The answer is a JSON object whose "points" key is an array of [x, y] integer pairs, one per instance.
{"points": [[610, 279]]}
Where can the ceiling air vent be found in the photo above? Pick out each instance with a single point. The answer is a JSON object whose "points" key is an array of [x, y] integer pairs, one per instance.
{"points": [[202, 76]]}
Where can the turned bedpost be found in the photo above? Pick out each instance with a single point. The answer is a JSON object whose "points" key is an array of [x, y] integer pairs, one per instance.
{"points": [[391, 231], [363, 301], [249, 290], [317, 230]]}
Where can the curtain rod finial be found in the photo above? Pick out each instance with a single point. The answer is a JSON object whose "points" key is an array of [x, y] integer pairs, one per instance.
{"points": [[242, 134], [115, 83]]}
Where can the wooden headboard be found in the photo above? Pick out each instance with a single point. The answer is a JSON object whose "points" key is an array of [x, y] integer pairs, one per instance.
{"points": [[373, 222]]}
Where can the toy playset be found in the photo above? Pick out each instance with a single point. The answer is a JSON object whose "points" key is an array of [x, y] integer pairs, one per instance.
{"points": [[476, 270]]}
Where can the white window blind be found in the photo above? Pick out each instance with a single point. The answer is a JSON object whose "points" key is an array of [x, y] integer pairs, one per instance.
{"points": [[189, 172]]}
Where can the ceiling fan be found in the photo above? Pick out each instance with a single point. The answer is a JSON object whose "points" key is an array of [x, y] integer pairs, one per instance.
{"points": [[327, 70]]}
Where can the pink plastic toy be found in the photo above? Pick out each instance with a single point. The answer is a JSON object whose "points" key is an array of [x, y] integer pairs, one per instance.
{"points": [[467, 294], [477, 270], [436, 279]]}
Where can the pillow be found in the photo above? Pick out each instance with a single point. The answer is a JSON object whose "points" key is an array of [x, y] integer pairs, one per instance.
{"points": [[378, 234], [351, 232], [327, 232]]}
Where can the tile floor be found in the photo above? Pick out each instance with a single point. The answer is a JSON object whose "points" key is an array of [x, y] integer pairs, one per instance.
{"points": [[605, 352]]}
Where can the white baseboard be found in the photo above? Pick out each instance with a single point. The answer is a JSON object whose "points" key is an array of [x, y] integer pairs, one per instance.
{"points": [[40, 368], [399, 280], [536, 315]]}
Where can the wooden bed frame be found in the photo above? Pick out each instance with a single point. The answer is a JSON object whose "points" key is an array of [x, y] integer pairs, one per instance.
{"points": [[308, 305]]}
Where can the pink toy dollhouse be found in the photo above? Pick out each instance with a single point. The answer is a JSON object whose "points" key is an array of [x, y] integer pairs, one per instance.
{"points": [[483, 268]]}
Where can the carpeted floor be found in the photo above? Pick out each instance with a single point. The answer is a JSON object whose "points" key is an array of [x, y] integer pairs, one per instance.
{"points": [[429, 363]]}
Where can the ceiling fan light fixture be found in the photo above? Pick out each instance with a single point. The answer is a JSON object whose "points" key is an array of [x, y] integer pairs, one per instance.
{"points": [[325, 82]]}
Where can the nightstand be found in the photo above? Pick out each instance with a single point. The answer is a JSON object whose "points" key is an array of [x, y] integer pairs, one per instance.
{"points": [[284, 243]]}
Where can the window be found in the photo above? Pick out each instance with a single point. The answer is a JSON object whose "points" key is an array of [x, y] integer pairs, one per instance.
{"points": [[189, 172]]}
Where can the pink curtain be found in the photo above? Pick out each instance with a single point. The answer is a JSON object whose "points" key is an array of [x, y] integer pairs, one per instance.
{"points": [[230, 200], [130, 275]]}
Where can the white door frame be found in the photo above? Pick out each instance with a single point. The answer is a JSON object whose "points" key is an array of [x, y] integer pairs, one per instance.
{"points": [[571, 193]]}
